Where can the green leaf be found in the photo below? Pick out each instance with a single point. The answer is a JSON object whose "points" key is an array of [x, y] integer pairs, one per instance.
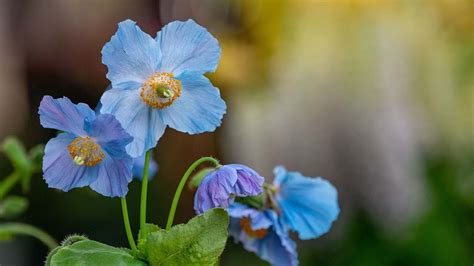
{"points": [[25, 164], [257, 202], [197, 178], [199, 242], [16, 153], [13, 206], [6, 236], [149, 228], [89, 252]]}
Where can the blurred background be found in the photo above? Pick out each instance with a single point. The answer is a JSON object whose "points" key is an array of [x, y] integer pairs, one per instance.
{"points": [[375, 96]]}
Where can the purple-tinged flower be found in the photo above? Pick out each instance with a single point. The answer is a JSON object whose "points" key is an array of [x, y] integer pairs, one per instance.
{"points": [[308, 205], [139, 166], [262, 232], [90, 152], [220, 187]]}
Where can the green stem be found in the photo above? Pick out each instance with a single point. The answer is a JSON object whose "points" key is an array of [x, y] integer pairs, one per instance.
{"points": [[8, 183], [143, 195], [26, 229], [126, 221], [185, 177]]}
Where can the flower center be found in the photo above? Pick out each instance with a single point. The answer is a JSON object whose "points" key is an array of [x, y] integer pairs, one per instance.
{"points": [[84, 151], [160, 90], [245, 224]]}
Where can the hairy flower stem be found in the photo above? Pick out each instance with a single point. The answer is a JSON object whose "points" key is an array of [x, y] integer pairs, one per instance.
{"points": [[181, 185], [126, 221], [26, 229], [144, 194]]}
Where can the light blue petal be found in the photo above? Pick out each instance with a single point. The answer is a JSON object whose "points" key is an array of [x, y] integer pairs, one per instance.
{"points": [[309, 205], [187, 47], [199, 109], [142, 122], [113, 177], [131, 56], [59, 169], [62, 114], [109, 134]]}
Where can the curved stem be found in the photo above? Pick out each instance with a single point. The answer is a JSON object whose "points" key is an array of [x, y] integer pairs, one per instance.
{"points": [[126, 221], [26, 229], [144, 194], [185, 177]]}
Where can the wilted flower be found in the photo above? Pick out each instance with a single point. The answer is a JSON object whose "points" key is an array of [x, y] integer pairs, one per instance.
{"points": [[307, 205], [261, 232], [159, 82], [90, 152], [220, 187]]}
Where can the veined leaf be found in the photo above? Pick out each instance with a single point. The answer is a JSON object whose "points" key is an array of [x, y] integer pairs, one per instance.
{"points": [[89, 252], [199, 242]]}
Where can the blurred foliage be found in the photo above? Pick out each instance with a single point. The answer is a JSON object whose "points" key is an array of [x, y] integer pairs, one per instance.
{"points": [[443, 236], [25, 165]]}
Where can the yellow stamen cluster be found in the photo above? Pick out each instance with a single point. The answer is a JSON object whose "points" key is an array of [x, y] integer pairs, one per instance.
{"points": [[246, 226], [160, 90], [84, 151]]}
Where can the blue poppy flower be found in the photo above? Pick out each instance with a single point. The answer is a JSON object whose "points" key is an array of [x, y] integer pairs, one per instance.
{"points": [[308, 205], [91, 151], [139, 162], [262, 232], [220, 187], [159, 82], [139, 166]]}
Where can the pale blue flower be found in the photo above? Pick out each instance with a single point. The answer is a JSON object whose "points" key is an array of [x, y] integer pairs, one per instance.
{"points": [[308, 205], [160, 82]]}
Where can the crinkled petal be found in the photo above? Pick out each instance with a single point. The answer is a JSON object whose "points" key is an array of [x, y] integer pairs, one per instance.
{"points": [[141, 121], [109, 134], [59, 169], [219, 188], [249, 182], [131, 56], [139, 166], [276, 246], [114, 176], [309, 205], [215, 189], [187, 47], [62, 114], [199, 109]]}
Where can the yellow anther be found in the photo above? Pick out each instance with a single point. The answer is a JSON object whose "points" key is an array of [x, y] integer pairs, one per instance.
{"points": [[84, 151], [160, 90]]}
